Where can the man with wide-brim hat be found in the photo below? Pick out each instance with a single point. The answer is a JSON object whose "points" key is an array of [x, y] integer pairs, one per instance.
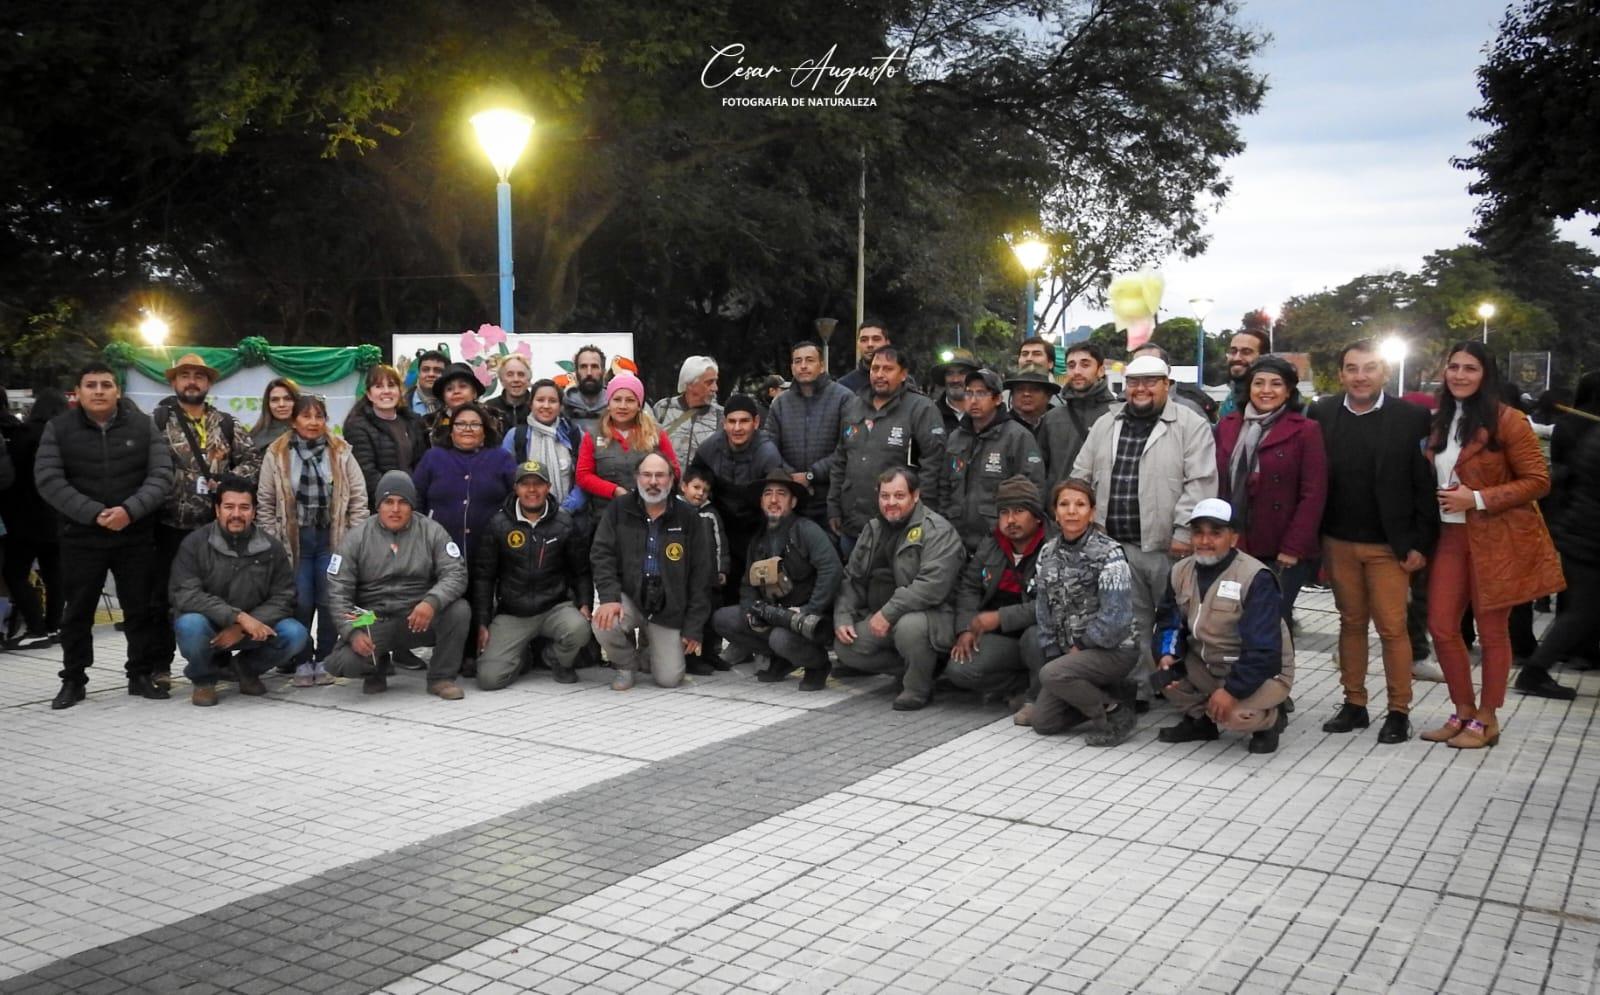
{"points": [[951, 377], [1030, 391], [786, 593], [205, 445]]}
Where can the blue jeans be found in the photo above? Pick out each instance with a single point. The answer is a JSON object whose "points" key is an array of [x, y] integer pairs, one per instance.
{"points": [[194, 632], [311, 592]]}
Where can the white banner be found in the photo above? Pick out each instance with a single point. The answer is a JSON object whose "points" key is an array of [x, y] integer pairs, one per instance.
{"points": [[545, 351], [240, 394]]}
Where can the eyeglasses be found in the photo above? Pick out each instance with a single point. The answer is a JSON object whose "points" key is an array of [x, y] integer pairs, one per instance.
{"points": [[980, 393], [469, 426]]}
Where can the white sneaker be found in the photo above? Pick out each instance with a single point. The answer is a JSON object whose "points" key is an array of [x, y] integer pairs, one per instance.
{"points": [[1427, 670]]}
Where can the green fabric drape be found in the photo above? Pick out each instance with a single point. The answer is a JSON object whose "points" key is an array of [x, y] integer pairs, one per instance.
{"points": [[305, 365]]}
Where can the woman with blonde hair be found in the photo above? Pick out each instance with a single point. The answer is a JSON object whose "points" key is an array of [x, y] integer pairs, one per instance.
{"points": [[311, 494], [277, 408], [608, 459]]}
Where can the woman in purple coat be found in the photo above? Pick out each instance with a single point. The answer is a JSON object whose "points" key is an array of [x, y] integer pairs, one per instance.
{"points": [[1272, 469], [463, 482]]}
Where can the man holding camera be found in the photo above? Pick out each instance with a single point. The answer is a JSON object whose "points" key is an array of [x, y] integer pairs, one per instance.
{"points": [[787, 591]]}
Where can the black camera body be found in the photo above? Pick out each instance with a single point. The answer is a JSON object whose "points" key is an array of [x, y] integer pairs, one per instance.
{"points": [[810, 627]]}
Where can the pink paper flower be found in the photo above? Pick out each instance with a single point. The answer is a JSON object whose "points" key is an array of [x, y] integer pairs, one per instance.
{"points": [[493, 335], [471, 346]]}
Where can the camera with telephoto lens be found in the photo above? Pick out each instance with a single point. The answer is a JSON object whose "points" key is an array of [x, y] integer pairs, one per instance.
{"points": [[808, 627]]}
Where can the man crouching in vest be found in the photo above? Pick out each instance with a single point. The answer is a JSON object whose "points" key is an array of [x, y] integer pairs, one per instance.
{"points": [[1225, 654]]}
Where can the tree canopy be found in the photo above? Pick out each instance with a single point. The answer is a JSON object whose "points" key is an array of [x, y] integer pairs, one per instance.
{"points": [[303, 169]]}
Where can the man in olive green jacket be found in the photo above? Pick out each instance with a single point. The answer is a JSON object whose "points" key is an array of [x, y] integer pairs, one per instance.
{"points": [[894, 613]]}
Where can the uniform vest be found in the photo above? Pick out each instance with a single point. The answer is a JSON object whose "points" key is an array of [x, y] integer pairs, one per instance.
{"points": [[1214, 619]]}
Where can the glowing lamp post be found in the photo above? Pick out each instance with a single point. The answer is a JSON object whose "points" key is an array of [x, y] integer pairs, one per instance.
{"points": [[1486, 311], [1031, 254], [1202, 306], [503, 135], [1393, 350]]}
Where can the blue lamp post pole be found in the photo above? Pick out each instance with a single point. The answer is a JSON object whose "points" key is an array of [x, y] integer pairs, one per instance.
{"points": [[1031, 254], [503, 134], [1202, 307]]}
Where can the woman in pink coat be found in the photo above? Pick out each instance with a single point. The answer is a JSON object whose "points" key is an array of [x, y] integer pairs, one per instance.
{"points": [[1272, 468]]}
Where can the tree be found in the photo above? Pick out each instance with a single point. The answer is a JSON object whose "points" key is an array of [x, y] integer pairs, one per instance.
{"points": [[1541, 99]]}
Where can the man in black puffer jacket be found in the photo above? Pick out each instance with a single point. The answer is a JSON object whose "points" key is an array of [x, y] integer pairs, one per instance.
{"points": [[530, 579], [107, 470]]}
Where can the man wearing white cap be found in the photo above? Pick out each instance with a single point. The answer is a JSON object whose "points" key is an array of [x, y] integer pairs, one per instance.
{"points": [[1150, 461], [1227, 661]]}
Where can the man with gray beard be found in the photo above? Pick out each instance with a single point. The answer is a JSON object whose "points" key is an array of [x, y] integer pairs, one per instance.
{"points": [[654, 577]]}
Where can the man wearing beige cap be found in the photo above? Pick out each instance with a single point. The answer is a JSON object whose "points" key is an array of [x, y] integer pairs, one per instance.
{"points": [[206, 445], [1150, 461]]}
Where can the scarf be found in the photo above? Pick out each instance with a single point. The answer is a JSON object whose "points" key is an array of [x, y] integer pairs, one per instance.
{"points": [[312, 493], [545, 445], [1245, 458]]}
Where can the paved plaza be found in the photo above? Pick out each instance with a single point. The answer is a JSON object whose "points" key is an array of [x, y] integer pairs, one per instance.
{"points": [[734, 836]]}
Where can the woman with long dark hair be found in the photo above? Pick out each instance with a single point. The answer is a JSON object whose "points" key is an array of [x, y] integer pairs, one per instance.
{"points": [[32, 529], [277, 410], [1494, 551], [547, 435]]}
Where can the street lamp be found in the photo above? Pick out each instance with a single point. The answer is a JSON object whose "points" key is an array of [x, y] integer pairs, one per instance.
{"points": [[1393, 350], [154, 330], [1272, 322], [1486, 311], [1031, 254], [825, 327], [1202, 307], [503, 134]]}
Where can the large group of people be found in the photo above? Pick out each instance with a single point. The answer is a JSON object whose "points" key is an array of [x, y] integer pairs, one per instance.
{"points": [[1076, 554]]}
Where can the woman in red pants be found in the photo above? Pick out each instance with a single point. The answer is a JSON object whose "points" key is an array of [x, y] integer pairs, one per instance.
{"points": [[1494, 551]]}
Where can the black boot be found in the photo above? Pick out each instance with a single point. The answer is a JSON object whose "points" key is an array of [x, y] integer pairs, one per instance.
{"points": [[814, 679], [70, 694], [141, 686], [1266, 741], [1189, 730], [775, 672], [1538, 682], [1347, 718]]}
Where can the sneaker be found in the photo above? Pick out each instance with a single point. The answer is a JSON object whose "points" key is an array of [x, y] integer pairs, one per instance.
{"points": [[1422, 670], [320, 675], [623, 681], [1189, 730], [1118, 726], [447, 689], [304, 676], [814, 679]]}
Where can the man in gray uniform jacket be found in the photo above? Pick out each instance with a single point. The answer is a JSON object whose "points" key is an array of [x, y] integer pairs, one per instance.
{"points": [[894, 614], [405, 569], [986, 448]]}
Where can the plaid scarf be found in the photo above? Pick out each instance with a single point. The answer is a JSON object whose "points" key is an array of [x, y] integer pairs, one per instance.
{"points": [[1122, 504], [312, 493]]}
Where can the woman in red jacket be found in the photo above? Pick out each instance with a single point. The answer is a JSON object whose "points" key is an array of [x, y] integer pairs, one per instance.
{"points": [[1494, 551], [1272, 469], [609, 457]]}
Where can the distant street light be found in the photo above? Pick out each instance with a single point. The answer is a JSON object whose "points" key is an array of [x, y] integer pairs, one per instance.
{"points": [[1393, 350], [1031, 254], [1272, 323], [154, 330], [1486, 311], [825, 327], [1202, 306], [503, 135]]}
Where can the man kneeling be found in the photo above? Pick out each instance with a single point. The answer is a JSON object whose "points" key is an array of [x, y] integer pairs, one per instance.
{"points": [[530, 579], [232, 595], [405, 569], [894, 613], [1225, 653], [786, 596]]}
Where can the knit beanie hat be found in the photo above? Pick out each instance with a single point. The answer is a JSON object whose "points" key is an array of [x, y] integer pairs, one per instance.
{"points": [[1019, 492], [627, 382], [398, 483], [742, 402], [693, 369]]}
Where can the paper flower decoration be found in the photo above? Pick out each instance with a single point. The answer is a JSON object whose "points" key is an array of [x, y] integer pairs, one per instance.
{"points": [[1135, 297]]}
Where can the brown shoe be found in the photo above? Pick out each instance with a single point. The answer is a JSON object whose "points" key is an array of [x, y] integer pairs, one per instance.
{"points": [[1451, 727], [374, 683], [448, 690], [1024, 716], [204, 695], [249, 680], [1474, 736], [162, 678]]}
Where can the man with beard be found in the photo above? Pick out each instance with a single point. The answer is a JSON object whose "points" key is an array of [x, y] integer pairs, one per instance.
{"points": [[870, 337], [205, 445], [804, 423], [1150, 461], [654, 577], [1031, 390], [884, 426], [420, 398], [988, 448], [894, 613], [738, 457], [585, 400], [1244, 349], [693, 415], [1226, 657], [233, 597], [951, 375], [997, 650], [530, 580], [106, 469], [1087, 396], [1187, 394], [794, 567], [403, 569]]}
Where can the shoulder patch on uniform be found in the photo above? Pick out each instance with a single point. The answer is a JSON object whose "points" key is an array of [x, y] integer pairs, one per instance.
{"points": [[914, 534], [334, 563], [453, 549]]}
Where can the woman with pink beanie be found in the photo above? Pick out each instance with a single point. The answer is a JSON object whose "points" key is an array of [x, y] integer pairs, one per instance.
{"points": [[609, 458]]}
